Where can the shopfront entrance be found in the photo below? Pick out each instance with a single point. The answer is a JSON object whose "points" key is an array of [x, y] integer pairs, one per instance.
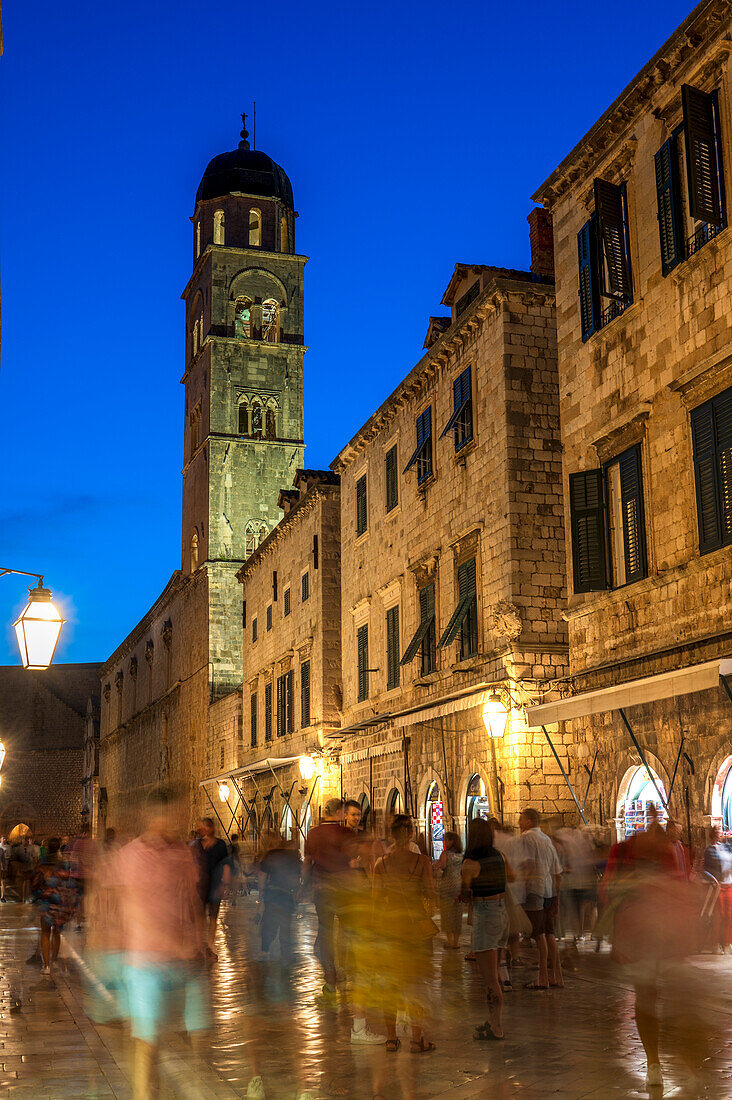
{"points": [[434, 821], [722, 798], [638, 801], [476, 801]]}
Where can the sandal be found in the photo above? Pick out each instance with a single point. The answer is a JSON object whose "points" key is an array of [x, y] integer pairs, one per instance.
{"points": [[421, 1046], [392, 1045], [485, 1031], [535, 986], [556, 985]]}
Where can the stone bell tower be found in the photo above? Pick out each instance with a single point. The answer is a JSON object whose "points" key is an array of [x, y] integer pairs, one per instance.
{"points": [[243, 438]]}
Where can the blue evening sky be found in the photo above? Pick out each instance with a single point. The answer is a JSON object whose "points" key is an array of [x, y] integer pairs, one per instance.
{"points": [[413, 133]]}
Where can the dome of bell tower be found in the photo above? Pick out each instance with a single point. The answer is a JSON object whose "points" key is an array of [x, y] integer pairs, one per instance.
{"points": [[247, 171]]}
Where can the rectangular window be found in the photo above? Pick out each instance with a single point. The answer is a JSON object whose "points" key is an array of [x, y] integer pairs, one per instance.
{"points": [[608, 524], [268, 712], [269, 616], [392, 479], [305, 694], [425, 637], [254, 629], [464, 620], [461, 421], [362, 660], [392, 647], [306, 586], [361, 508], [254, 720], [603, 250], [422, 455], [711, 433], [287, 601], [691, 207], [467, 299], [281, 706]]}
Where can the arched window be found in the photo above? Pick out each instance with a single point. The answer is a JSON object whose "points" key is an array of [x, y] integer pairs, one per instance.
{"points": [[243, 318], [195, 337], [283, 234], [262, 534], [195, 428], [200, 330], [254, 535], [270, 321], [198, 238], [255, 228], [256, 418], [194, 552], [271, 424], [243, 418], [219, 227]]}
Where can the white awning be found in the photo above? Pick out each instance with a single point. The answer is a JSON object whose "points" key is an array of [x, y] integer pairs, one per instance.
{"points": [[269, 763], [440, 710], [666, 685]]}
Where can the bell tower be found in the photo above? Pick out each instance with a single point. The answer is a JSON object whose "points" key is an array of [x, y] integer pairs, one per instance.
{"points": [[243, 437]]}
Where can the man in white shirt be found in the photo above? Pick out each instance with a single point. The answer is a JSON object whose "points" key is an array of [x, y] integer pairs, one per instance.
{"points": [[543, 874]]}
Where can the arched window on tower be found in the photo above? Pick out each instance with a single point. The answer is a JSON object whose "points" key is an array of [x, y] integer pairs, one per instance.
{"points": [[256, 418], [244, 417], [270, 321], [219, 227], [194, 552], [254, 534], [271, 423], [195, 337], [200, 330], [195, 425], [283, 234], [255, 228], [198, 238], [243, 318]]}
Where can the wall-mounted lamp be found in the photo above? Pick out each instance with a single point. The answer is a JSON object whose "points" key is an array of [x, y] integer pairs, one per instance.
{"points": [[224, 792], [306, 765], [495, 715]]}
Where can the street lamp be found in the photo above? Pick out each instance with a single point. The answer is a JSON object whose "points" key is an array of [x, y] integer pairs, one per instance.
{"points": [[307, 767], [495, 715], [2, 755], [224, 792], [38, 627]]}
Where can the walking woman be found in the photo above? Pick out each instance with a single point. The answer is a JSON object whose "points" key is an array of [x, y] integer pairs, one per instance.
{"points": [[485, 874], [55, 894], [451, 907], [403, 894]]}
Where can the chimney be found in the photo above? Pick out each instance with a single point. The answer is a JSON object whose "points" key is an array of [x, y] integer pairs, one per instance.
{"points": [[542, 242]]}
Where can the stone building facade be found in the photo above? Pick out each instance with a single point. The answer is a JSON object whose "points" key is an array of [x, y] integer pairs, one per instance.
{"points": [[292, 667], [453, 573], [174, 684], [644, 320], [42, 726]]}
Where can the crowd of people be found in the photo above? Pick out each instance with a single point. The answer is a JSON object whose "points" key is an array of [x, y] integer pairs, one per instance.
{"points": [[148, 952]]}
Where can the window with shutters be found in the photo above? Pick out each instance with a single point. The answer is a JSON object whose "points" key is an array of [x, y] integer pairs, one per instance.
{"points": [[305, 586], [268, 712], [361, 506], [464, 620], [243, 419], [305, 694], [608, 524], [269, 616], [253, 716], [281, 706], [289, 701], [287, 601], [391, 478], [254, 629], [421, 458], [603, 253], [392, 647], [711, 434], [461, 420], [362, 662], [690, 180], [424, 640]]}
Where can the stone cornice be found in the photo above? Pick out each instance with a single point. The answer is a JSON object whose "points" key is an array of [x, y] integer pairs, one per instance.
{"points": [[175, 585], [695, 35], [315, 494], [443, 354]]}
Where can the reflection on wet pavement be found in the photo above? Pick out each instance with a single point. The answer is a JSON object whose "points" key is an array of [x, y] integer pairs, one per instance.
{"points": [[571, 1043]]}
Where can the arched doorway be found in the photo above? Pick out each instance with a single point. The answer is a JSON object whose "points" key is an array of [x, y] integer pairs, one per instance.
{"points": [[394, 805], [434, 820], [305, 825], [722, 798], [476, 800], [637, 800], [287, 823], [18, 832], [365, 812]]}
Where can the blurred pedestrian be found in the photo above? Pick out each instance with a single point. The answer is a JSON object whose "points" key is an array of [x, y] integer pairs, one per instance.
{"points": [[279, 873], [214, 873], [678, 848], [4, 861], [543, 873], [54, 892], [235, 869], [327, 861], [448, 869]]}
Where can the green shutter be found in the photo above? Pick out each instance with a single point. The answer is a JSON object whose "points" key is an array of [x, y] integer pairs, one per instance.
{"points": [[667, 197], [612, 231], [705, 476], [701, 155], [422, 455], [631, 499], [289, 701], [426, 619], [253, 702], [361, 506], [467, 599], [392, 647], [588, 292], [280, 706], [362, 656], [723, 434], [268, 712], [587, 517], [305, 693], [392, 479]]}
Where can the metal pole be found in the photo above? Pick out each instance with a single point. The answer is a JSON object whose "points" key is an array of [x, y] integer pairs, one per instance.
{"points": [[725, 685], [590, 773], [566, 777], [676, 768], [213, 807], [642, 755], [287, 799]]}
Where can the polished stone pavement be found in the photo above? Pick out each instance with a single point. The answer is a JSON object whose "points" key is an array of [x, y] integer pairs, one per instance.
{"points": [[575, 1043]]}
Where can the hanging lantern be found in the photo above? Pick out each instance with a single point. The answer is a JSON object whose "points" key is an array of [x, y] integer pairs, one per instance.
{"points": [[495, 715], [2, 755], [38, 628], [224, 792], [307, 767]]}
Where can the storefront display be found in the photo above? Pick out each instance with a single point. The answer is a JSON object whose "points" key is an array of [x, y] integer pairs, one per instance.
{"points": [[434, 820], [476, 802], [639, 804]]}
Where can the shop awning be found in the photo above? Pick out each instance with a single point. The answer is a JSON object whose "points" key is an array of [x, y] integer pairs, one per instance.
{"points": [[475, 696], [269, 763], [666, 685]]}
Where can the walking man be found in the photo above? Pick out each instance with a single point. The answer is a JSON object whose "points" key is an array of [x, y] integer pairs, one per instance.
{"points": [[543, 873], [327, 858], [213, 862]]}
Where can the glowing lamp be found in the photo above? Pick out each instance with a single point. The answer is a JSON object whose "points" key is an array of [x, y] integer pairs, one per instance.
{"points": [[37, 629], [495, 715], [2, 754], [306, 765], [224, 792]]}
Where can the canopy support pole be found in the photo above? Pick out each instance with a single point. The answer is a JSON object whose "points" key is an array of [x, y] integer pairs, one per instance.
{"points": [[676, 767], [247, 806], [566, 777], [725, 685], [213, 807], [287, 798], [590, 775], [642, 755]]}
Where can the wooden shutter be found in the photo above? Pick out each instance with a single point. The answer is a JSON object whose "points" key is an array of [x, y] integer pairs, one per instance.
{"points": [[466, 600], [723, 433], [667, 197], [289, 701], [280, 705], [287, 601], [362, 655], [613, 235], [587, 517], [392, 647], [392, 483], [588, 294], [305, 586], [426, 618], [701, 155], [268, 712], [361, 511], [253, 702], [705, 476], [305, 693], [631, 500]]}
